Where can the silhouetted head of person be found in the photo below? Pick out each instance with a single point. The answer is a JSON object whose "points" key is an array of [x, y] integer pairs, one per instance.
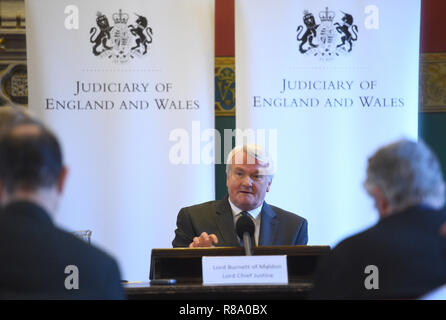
{"points": [[404, 174], [10, 116], [31, 165]]}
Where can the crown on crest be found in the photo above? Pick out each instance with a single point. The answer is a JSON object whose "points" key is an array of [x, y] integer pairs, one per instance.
{"points": [[326, 15], [100, 15], [307, 14], [120, 17]]}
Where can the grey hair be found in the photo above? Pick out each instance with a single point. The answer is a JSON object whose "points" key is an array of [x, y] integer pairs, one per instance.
{"points": [[407, 173], [255, 151]]}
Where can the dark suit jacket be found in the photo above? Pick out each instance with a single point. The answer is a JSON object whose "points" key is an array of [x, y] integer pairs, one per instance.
{"points": [[34, 254], [405, 247], [277, 227]]}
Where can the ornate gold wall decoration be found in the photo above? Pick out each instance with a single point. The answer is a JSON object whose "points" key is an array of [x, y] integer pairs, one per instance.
{"points": [[13, 73], [224, 86], [433, 82], [14, 85]]}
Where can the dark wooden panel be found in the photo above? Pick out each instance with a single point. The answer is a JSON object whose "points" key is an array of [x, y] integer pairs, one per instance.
{"points": [[184, 264], [144, 291]]}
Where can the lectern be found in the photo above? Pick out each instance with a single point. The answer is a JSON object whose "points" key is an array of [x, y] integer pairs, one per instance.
{"points": [[184, 264]]}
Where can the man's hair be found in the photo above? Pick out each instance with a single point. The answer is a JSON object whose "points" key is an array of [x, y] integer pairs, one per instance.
{"points": [[407, 173], [255, 151], [10, 116], [29, 161]]}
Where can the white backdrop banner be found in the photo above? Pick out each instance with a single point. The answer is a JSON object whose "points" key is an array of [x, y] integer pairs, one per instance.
{"points": [[329, 82], [120, 82]]}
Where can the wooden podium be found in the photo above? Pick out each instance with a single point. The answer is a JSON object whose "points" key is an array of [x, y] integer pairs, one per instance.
{"points": [[185, 266]]}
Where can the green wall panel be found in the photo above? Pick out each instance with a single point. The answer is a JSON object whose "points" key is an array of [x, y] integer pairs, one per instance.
{"points": [[222, 123], [431, 128]]}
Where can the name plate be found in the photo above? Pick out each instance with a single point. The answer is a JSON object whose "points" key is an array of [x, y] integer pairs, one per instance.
{"points": [[234, 270]]}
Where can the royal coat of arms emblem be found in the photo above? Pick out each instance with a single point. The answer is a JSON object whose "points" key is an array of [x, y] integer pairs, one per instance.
{"points": [[120, 42], [328, 39]]}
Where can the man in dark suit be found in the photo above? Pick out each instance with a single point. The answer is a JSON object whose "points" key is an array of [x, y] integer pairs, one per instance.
{"points": [[404, 255], [39, 260], [249, 176]]}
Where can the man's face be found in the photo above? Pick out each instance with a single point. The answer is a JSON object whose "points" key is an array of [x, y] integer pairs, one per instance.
{"points": [[247, 184]]}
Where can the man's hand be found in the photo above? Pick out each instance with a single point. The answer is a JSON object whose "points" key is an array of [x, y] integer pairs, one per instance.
{"points": [[204, 240]]}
